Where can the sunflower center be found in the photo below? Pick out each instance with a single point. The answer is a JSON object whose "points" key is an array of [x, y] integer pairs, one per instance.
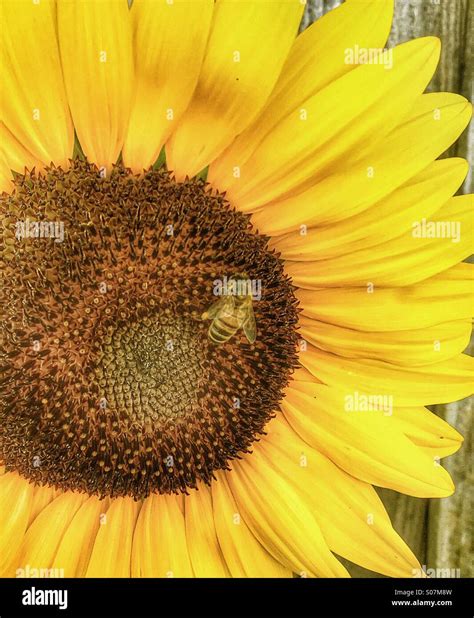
{"points": [[130, 360], [151, 368]]}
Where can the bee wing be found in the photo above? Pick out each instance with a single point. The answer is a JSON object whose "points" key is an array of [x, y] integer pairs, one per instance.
{"points": [[249, 326], [221, 307]]}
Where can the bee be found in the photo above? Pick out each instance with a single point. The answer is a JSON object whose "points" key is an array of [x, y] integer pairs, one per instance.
{"points": [[231, 313]]}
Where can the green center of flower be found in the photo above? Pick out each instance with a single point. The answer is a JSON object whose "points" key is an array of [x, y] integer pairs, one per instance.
{"points": [[152, 368], [128, 368]]}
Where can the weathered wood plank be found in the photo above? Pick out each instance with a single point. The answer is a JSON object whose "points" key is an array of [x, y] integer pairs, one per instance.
{"points": [[465, 146], [438, 531], [315, 9], [450, 522]]}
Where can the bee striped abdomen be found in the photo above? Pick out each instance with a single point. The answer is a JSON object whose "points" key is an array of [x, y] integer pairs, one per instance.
{"points": [[222, 329]]}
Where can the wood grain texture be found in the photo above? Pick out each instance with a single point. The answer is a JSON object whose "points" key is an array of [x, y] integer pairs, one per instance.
{"points": [[438, 531]]}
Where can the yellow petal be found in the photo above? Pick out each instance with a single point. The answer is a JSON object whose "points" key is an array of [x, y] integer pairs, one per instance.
{"points": [[364, 443], [424, 346], [6, 177], [159, 542], [16, 155], [204, 550], [432, 245], [280, 518], [35, 110], [420, 197], [303, 375], [111, 555], [435, 122], [352, 518], [317, 57], [427, 430], [42, 538], [169, 43], [236, 79], [407, 386], [319, 54], [76, 545], [244, 555], [180, 499], [363, 105], [42, 496], [16, 497], [442, 298], [96, 52]]}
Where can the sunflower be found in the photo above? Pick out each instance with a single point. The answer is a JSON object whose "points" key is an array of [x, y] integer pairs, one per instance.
{"points": [[152, 154]]}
